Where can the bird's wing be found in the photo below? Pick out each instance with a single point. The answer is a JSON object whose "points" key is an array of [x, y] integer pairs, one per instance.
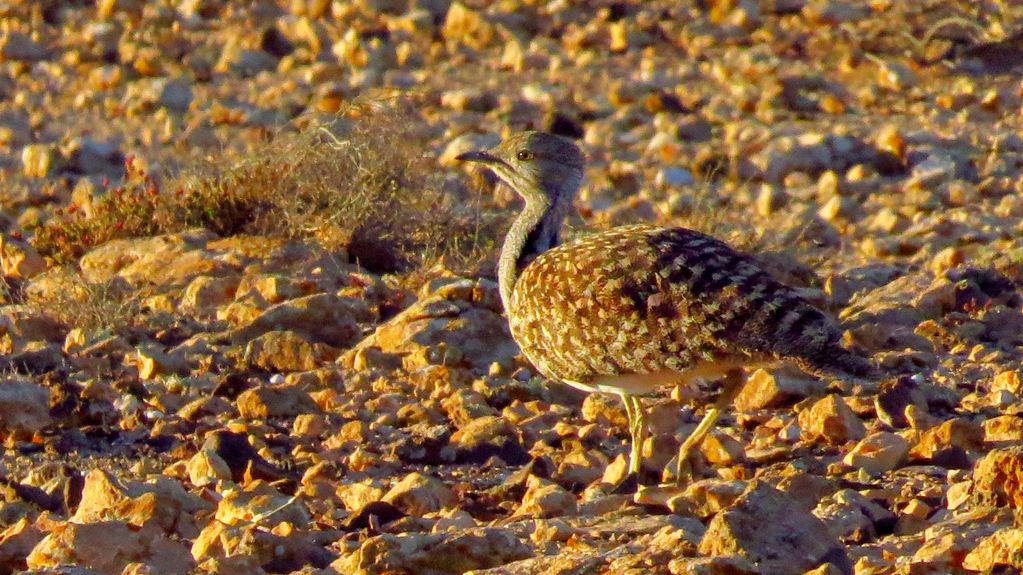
{"points": [[641, 299]]}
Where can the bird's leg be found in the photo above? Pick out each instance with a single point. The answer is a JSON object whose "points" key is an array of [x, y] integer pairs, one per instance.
{"points": [[638, 435], [731, 385], [633, 416]]}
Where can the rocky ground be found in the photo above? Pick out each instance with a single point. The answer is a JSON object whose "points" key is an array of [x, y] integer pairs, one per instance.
{"points": [[249, 323]]}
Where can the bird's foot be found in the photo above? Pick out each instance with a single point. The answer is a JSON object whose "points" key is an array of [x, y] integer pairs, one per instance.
{"points": [[681, 471]]}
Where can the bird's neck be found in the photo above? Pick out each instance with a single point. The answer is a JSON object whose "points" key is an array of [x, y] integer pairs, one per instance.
{"points": [[535, 231]]}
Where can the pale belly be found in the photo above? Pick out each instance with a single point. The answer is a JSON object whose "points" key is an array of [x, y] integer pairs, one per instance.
{"points": [[646, 383]]}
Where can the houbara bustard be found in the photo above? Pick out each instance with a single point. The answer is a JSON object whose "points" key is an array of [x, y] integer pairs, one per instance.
{"points": [[637, 307]]}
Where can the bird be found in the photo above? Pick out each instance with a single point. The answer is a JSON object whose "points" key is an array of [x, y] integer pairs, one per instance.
{"points": [[637, 307]]}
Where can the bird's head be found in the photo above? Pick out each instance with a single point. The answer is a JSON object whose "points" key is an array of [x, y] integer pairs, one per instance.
{"points": [[540, 167]]}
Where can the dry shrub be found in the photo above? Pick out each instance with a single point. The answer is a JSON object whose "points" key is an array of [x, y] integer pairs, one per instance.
{"points": [[124, 212], [8, 292], [94, 307], [713, 210], [365, 181]]}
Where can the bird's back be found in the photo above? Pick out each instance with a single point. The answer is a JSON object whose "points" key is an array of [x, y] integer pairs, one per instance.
{"points": [[644, 299]]}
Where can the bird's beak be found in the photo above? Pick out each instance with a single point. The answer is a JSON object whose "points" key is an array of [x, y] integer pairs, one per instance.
{"points": [[482, 157]]}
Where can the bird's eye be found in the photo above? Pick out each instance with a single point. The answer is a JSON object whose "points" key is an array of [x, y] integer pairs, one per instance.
{"points": [[524, 155]]}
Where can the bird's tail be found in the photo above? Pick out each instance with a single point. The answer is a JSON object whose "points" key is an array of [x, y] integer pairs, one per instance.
{"points": [[836, 361]]}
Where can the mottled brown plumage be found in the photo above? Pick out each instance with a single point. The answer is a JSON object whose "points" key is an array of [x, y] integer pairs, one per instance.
{"points": [[642, 299], [627, 310]]}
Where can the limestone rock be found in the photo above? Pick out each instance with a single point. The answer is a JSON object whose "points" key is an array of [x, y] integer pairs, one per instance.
{"points": [[998, 477], [109, 546], [487, 436], [435, 554], [38, 160], [286, 550], [812, 154], [161, 260], [271, 288], [709, 496], [1003, 428], [88, 156], [604, 410], [946, 544], [244, 62], [585, 561], [322, 318], [16, 542], [826, 569], [356, 496], [1008, 380], [35, 357], [806, 488], [285, 351], [163, 504], [275, 401], [831, 419], [464, 25], [766, 527], [18, 46], [581, 467], [721, 449], [206, 467], [24, 324], [853, 518], [419, 494], [1003, 547], [18, 259], [878, 452], [261, 503], [724, 565], [545, 499], [766, 389], [309, 425], [175, 94], [947, 444], [205, 293], [24, 406], [153, 362], [465, 315]]}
